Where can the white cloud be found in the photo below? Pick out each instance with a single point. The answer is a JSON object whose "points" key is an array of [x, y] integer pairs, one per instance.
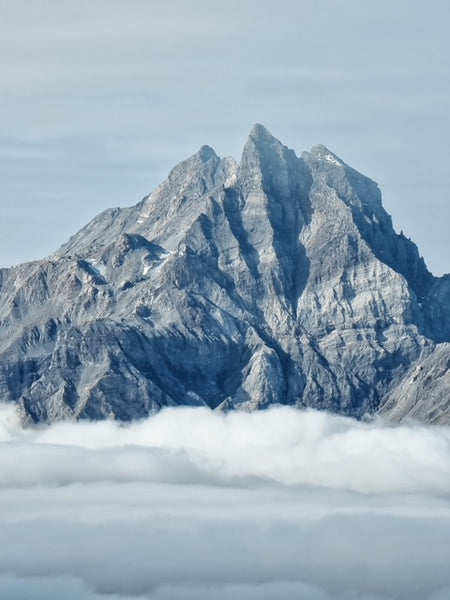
{"points": [[195, 504], [281, 445], [47, 588]]}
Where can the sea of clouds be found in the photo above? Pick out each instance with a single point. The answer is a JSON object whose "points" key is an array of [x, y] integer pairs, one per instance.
{"points": [[194, 505]]}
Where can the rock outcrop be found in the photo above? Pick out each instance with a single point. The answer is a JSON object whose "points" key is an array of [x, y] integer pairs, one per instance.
{"points": [[278, 280]]}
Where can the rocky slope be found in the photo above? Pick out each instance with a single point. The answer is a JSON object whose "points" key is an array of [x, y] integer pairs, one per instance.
{"points": [[278, 280]]}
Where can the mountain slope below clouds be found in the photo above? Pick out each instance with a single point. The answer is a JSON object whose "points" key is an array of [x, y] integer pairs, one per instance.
{"points": [[278, 280]]}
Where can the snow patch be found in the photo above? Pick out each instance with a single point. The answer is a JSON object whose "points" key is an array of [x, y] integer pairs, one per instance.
{"points": [[332, 159], [98, 267]]}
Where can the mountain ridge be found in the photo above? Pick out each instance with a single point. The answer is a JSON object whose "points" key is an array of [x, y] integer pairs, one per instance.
{"points": [[276, 280]]}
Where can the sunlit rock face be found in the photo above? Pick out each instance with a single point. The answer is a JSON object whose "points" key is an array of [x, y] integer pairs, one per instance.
{"points": [[278, 280]]}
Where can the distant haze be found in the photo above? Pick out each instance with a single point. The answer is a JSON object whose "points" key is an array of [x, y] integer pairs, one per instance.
{"points": [[100, 99]]}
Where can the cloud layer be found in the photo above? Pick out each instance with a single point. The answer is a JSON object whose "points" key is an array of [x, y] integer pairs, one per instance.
{"points": [[193, 504], [280, 445]]}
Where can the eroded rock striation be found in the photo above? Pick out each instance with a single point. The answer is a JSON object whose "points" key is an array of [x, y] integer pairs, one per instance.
{"points": [[278, 280]]}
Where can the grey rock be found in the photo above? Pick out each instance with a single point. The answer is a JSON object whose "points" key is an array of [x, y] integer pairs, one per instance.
{"points": [[278, 280], [423, 394]]}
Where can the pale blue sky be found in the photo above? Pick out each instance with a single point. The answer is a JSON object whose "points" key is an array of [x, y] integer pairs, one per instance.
{"points": [[100, 98]]}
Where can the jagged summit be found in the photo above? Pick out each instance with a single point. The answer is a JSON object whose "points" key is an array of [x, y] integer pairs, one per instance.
{"points": [[321, 153], [207, 153], [278, 280], [261, 134], [260, 145]]}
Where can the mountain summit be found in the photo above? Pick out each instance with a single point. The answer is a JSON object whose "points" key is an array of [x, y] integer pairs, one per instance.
{"points": [[278, 280]]}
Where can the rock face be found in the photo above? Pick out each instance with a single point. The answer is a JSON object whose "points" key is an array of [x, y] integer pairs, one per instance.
{"points": [[278, 280]]}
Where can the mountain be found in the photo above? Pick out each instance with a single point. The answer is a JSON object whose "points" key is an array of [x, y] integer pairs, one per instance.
{"points": [[276, 280]]}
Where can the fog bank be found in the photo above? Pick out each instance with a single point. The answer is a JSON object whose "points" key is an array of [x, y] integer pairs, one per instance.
{"points": [[195, 504]]}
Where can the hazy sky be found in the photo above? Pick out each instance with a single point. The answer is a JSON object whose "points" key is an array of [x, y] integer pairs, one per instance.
{"points": [[100, 98], [196, 505]]}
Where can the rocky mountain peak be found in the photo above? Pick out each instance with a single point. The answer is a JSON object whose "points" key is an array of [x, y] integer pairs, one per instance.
{"points": [[280, 280], [261, 135], [262, 145], [206, 153], [321, 153], [267, 164]]}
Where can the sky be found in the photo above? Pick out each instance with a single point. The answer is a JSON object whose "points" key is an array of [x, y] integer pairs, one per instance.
{"points": [[195, 505], [101, 98]]}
